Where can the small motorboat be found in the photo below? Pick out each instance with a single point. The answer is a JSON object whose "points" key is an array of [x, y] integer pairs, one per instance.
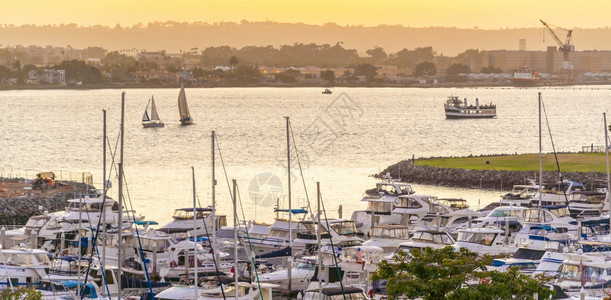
{"points": [[327, 91]]}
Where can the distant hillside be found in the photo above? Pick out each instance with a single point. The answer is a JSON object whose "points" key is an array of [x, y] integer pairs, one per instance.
{"points": [[175, 37]]}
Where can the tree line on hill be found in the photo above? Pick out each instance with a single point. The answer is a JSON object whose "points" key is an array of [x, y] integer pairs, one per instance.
{"points": [[244, 62]]}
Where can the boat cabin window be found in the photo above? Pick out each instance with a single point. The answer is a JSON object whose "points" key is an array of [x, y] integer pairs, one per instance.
{"points": [[42, 258], [32, 222], [436, 208], [537, 216], [380, 206], [181, 214], [158, 244], [221, 221], [485, 239], [281, 233], [524, 253], [387, 189], [344, 228], [560, 212], [21, 259], [435, 237], [406, 189], [408, 203], [502, 213], [308, 265], [574, 272], [395, 233]]}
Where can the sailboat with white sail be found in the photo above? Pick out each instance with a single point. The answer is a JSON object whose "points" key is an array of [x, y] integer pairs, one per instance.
{"points": [[153, 120], [183, 109]]}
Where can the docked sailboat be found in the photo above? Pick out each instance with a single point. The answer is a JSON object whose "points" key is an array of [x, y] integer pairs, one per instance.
{"points": [[183, 109], [153, 120]]}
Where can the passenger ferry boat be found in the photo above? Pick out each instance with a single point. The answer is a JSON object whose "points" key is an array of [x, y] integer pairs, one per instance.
{"points": [[459, 109]]}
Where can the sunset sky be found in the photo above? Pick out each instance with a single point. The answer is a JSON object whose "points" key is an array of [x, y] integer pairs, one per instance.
{"points": [[484, 14]]}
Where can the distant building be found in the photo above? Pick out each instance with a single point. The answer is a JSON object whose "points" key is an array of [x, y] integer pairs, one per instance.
{"points": [[185, 76], [51, 76], [549, 61], [522, 45]]}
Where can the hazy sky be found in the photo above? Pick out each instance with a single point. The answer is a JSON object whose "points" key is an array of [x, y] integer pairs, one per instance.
{"points": [[485, 14]]}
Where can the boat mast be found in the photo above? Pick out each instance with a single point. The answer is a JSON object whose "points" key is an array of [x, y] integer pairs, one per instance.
{"points": [[318, 242], [213, 197], [120, 217], [540, 157], [194, 234], [288, 157], [235, 239], [80, 242], [607, 158], [104, 196]]}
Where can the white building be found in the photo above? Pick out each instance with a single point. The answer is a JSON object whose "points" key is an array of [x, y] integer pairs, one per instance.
{"points": [[53, 76]]}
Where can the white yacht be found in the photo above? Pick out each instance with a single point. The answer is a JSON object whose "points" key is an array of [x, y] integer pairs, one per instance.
{"points": [[380, 202], [301, 274], [278, 236], [500, 214], [583, 272], [427, 238], [388, 237], [182, 223], [244, 291], [486, 240], [340, 232], [21, 266]]}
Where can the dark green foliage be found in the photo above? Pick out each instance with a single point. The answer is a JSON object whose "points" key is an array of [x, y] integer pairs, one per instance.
{"points": [[78, 70], [244, 74], [456, 69], [20, 293], [425, 69], [410, 58], [491, 69], [377, 54], [449, 274], [328, 75], [367, 70]]}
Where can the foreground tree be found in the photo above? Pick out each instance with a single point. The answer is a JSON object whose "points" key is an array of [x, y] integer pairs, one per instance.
{"points": [[20, 293], [449, 274]]}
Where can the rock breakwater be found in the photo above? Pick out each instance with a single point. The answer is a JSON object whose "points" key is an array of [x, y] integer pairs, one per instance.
{"points": [[16, 210], [486, 179]]}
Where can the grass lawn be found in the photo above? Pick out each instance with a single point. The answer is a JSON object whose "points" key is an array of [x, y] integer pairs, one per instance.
{"points": [[569, 162]]}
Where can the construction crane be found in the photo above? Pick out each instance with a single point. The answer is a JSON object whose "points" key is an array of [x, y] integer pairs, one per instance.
{"points": [[566, 47]]}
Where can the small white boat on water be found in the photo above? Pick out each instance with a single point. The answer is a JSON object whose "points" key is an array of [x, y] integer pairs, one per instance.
{"points": [[153, 120]]}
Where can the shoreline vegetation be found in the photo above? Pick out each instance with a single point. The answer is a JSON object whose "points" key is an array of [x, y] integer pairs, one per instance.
{"points": [[501, 172], [283, 85]]}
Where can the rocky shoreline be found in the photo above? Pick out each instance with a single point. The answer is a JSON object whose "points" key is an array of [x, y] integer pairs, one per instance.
{"points": [[407, 171], [18, 209]]}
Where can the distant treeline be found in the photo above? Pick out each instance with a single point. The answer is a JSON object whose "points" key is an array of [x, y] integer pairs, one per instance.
{"points": [[175, 36]]}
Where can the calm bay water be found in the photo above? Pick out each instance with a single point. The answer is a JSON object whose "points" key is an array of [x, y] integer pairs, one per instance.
{"points": [[341, 140]]}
